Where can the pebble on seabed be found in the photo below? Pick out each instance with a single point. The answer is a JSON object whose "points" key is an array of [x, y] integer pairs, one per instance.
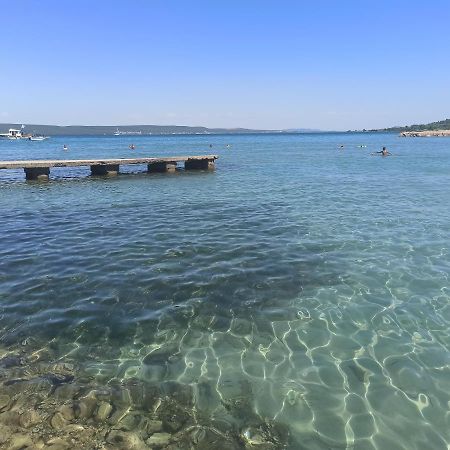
{"points": [[159, 439], [67, 412], [126, 440], [104, 410], [58, 422]]}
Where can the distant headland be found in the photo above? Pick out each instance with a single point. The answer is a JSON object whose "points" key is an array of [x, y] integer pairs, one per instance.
{"points": [[439, 128], [128, 130], [119, 130]]}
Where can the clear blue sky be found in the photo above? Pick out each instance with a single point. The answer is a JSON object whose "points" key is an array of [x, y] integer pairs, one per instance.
{"points": [[325, 64]]}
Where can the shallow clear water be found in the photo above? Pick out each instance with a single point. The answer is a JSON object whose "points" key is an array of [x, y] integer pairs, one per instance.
{"points": [[300, 283]]}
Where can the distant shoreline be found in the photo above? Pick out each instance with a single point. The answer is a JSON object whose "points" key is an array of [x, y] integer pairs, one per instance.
{"points": [[65, 132], [193, 135], [138, 130], [426, 133]]}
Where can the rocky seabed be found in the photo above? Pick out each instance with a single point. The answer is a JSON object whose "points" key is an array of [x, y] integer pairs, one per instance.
{"points": [[45, 405]]}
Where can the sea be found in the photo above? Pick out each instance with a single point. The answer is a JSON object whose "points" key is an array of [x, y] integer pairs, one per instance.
{"points": [[296, 297]]}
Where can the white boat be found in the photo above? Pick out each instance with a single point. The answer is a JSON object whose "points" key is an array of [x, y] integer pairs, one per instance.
{"points": [[126, 133], [38, 138], [14, 134]]}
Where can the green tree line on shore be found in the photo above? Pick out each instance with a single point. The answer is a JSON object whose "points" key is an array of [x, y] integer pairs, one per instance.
{"points": [[441, 125]]}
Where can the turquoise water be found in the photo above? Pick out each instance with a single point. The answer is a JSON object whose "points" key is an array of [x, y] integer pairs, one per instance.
{"points": [[298, 285]]}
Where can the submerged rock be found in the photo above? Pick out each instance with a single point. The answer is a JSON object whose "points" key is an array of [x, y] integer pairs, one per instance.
{"points": [[29, 418], [58, 421], [104, 411], [11, 361], [62, 368], [159, 439], [173, 416], [125, 440], [5, 401], [11, 418], [267, 436], [57, 444], [118, 415], [20, 441], [128, 422], [67, 412], [66, 391], [5, 433], [207, 438], [153, 426], [255, 440], [84, 409], [75, 429], [57, 380]]}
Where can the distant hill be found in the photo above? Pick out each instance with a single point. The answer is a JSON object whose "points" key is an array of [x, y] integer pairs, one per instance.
{"points": [[75, 130], [301, 130], [441, 125]]}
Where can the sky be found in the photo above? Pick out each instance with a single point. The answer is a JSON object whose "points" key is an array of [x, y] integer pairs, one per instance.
{"points": [[322, 64]]}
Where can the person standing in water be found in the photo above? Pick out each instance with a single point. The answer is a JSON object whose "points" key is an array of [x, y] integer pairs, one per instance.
{"points": [[384, 152], [65, 147]]}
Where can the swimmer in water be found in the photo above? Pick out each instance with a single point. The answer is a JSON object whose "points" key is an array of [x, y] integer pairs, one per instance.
{"points": [[65, 147], [384, 152], [132, 147]]}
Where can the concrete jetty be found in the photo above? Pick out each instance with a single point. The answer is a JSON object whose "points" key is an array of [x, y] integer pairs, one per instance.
{"points": [[39, 169]]}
